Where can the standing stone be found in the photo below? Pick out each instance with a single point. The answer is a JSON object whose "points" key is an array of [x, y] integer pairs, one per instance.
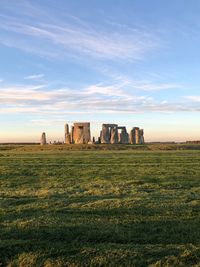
{"points": [[105, 135], [114, 135], [141, 136], [68, 139], [100, 137], [132, 137], [72, 135], [137, 135], [66, 128], [124, 136], [67, 135], [43, 140]]}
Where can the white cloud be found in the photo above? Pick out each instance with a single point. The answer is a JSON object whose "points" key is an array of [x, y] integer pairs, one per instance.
{"points": [[99, 98], [193, 98], [112, 90], [148, 86], [34, 77]]}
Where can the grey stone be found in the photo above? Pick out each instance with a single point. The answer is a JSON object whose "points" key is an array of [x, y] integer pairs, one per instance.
{"points": [[106, 133], [67, 134], [123, 136], [81, 133], [43, 140], [136, 136], [141, 136], [114, 135]]}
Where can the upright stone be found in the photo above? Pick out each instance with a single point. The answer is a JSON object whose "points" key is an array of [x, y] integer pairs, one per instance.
{"points": [[105, 134], [141, 136], [66, 128], [43, 140], [124, 136], [100, 137], [67, 135], [132, 137], [68, 139], [114, 135], [137, 135]]}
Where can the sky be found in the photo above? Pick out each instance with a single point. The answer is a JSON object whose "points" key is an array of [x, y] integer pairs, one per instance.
{"points": [[130, 62]]}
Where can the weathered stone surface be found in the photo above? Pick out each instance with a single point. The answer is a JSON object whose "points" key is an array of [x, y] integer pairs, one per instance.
{"points": [[43, 140], [141, 136], [123, 136], [106, 133], [66, 128], [72, 134], [114, 135], [67, 134], [67, 139], [136, 136], [81, 133], [132, 137], [111, 125]]}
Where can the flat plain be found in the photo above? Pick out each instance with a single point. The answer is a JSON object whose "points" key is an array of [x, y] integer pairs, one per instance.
{"points": [[99, 206]]}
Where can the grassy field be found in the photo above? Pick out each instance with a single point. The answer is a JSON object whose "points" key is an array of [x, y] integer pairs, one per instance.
{"points": [[64, 206]]}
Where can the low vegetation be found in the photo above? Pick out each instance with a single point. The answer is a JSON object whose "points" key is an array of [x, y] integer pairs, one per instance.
{"points": [[100, 205]]}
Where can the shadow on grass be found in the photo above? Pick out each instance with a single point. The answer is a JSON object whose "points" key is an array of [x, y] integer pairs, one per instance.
{"points": [[88, 234]]}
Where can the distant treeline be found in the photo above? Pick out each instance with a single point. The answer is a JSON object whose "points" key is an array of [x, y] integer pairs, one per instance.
{"points": [[23, 143], [193, 142]]}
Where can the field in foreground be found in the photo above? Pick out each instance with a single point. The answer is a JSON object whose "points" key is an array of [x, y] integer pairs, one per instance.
{"points": [[61, 207]]}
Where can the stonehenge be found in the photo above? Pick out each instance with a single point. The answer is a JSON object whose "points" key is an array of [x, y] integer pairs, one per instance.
{"points": [[110, 134]]}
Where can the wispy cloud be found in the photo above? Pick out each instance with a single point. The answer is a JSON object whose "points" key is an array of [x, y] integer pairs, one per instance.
{"points": [[194, 98], [96, 98], [100, 89], [60, 38], [150, 84], [34, 77]]}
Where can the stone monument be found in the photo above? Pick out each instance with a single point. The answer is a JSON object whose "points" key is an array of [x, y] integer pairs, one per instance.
{"points": [[43, 140]]}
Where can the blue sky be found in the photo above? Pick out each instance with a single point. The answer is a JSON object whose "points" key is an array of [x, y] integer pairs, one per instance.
{"points": [[135, 63]]}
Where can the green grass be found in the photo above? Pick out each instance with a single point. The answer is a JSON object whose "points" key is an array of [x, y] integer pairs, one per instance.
{"points": [[98, 206]]}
